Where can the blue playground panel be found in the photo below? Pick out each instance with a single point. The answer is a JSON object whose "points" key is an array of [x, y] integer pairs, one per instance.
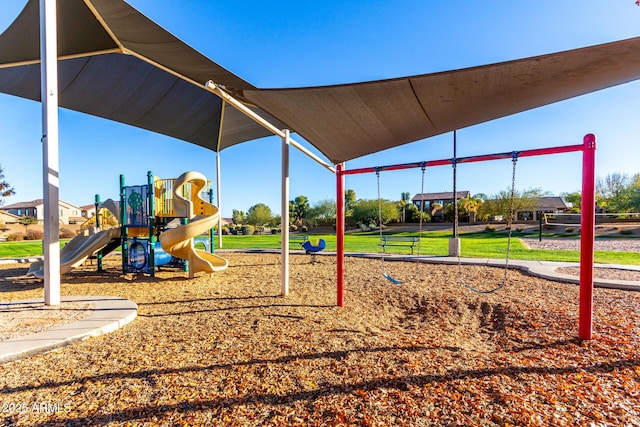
{"points": [[136, 202], [139, 255]]}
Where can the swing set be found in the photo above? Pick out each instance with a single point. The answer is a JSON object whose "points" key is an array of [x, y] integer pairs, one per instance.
{"points": [[418, 239], [587, 229]]}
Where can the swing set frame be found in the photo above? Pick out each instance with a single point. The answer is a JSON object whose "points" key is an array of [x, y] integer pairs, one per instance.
{"points": [[587, 223]]}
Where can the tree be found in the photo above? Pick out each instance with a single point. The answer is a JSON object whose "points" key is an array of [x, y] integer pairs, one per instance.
{"points": [[613, 192], [259, 214], [405, 198], [575, 199], [5, 188], [349, 201], [480, 196], [323, 211], [634, 194], [468, 208], [27, 220], [612, 185], [237, 217], [298, 209], [412, 213], [367, 212], [500, 204]]}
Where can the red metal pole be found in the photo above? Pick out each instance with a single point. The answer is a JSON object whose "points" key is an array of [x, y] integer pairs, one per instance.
{"points": [[340, 234], [587, 235]]}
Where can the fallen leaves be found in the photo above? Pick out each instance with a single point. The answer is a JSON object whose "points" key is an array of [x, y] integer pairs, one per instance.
{"points": [[226, 350]]}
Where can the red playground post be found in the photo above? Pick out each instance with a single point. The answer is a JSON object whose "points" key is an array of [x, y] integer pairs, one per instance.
{"points": [[587, 231], [340, 234]]}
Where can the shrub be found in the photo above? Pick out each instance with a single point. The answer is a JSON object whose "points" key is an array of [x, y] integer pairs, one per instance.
{"points": [[490, 229], [15, 237], [275, 231], [34, 235], [569, 230], [65, 233], [234, 231], [248, 230], [225, 230], [293, 227], [304, 229], [626, 232]]}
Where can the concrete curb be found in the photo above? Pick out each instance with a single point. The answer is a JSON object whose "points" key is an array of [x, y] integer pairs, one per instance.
{"points": [[109, 314]]}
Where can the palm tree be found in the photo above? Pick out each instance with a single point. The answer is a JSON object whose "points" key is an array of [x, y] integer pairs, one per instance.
{"points": [[405, 197]]}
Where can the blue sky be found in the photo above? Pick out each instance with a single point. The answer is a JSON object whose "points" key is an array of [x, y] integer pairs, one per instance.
{"points": [[308, 43]]}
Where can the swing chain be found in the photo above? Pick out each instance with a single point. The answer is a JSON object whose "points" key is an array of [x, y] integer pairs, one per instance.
{"points": [[514, 160], [455, 201]]}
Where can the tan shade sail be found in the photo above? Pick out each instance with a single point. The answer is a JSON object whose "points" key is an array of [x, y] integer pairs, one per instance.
{"points": [[118, 64], [349, 121]]}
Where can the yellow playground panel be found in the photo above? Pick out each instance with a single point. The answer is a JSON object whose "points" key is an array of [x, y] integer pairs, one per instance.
{"points": [[164, 197]]}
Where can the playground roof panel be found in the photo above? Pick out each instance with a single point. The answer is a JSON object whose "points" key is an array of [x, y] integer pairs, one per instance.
{"points": [[349, 121], [118, 64]]}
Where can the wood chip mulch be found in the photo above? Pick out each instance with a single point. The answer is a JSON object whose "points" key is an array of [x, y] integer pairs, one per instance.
{"points": [[228, 350]]}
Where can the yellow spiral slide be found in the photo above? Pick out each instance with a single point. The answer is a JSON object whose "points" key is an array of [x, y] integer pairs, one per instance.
{"points": [[202, 217]]}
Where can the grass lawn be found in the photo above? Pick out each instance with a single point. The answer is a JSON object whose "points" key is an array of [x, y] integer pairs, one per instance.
{"points": [[476, 245], [28, 248]]}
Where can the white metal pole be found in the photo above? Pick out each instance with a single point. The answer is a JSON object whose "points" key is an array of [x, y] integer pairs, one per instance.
{"points": [[50, 162], [285, 216], [219, 192], [264, 123]]}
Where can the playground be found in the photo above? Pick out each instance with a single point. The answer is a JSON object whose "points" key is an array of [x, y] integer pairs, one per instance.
{"points": [[228, 349], [309, 337]]}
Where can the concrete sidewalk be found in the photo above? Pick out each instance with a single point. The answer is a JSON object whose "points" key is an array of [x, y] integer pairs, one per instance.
{"points": [[108, 314]]}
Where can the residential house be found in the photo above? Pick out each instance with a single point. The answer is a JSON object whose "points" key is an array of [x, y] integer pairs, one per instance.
{"points": [[88, 211], [429, 201], [69, 214], [7, 218], [544, 205]]}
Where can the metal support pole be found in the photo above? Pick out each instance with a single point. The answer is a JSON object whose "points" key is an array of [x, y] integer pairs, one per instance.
{"points": [[455, 194], [212, 231], [219, 195], [540, 226], [218, 90], [340, 212], [124, 218], [284, 246], [99, 254], [587, 235], [151, 224], [50, 160]]}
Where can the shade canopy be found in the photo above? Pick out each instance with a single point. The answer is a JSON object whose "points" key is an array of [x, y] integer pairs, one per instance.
{"points": [[352, 120], [118, 64]]}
